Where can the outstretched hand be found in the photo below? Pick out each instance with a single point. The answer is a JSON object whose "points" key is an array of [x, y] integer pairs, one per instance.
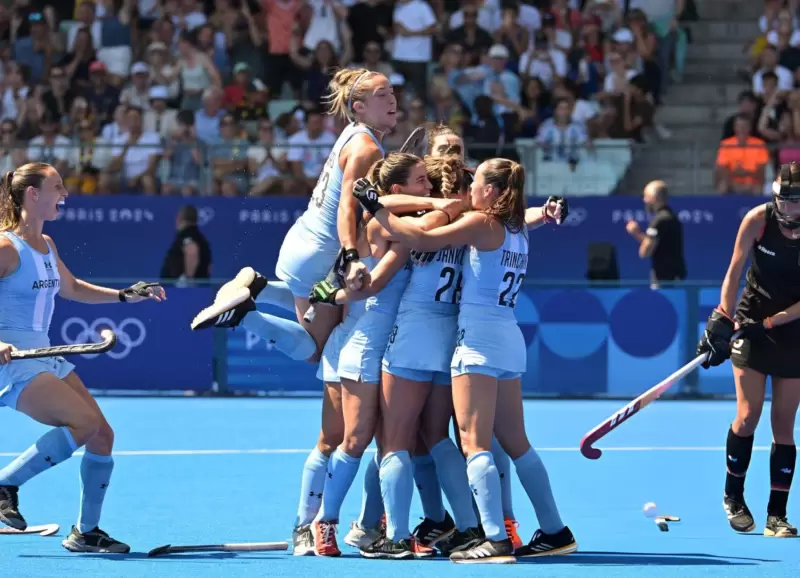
{"points": [[142, 291]]}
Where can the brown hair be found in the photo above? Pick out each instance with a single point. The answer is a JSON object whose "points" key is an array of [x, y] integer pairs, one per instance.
{"points": [[12, 191], [393, 169], [446, 174], [348, 85], [440, 130], [509, 178]]}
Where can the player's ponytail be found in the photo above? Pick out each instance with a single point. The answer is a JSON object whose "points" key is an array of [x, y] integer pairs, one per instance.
{"points": [[446, 174], [12, 192], [509, 178], [393, 169]]}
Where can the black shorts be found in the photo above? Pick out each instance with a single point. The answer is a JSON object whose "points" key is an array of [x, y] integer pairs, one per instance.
{"points": [[776, 358]]}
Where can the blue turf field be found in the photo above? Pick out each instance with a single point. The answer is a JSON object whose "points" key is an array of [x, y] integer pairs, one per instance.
{"points": [[195, 471]]}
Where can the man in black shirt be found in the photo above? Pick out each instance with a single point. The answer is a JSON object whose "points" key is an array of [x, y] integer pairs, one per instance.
{"points": [[663, 240], [189, 256]]}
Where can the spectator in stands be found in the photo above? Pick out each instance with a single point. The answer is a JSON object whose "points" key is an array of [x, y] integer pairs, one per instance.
{"points": [[206, 120], [318, 67], [281, 23], [137, 93], [135, 158], [556, 38], [114, 131], [244, 96], [748, 106], [87, 23], [512, 34], [103, 97], [228, 158], [502, 85], [116, 39], [769, 65], [196, 72], [645, 46], [267, 164], [741, 161], [50, 147], [77, 61], [535, 109], [36, 50], [57, 99], [471, 29], [185, 154], [547, 64], [161, 70], [246, 44], [616, 80], [12, 155], [91, 156], [158, 118], [560, 138], [632, 112], [672, 38], [412, 45], [15, 91], [790, 130], [309, 149], [772, 109], [371, 59], [483, 136], [212, 47]]}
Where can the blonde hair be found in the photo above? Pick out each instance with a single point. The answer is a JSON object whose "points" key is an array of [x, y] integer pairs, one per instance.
{"points": [[446, 174], [393, 169], [509, 178], [12, 191], [348, 86]]}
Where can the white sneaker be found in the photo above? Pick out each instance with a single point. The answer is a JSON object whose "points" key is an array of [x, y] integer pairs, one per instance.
{"points": [[303, 541], [359, 538]]}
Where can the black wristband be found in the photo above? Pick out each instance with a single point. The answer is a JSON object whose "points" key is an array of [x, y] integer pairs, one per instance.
{"points": [[122, 296], [350, 255]]}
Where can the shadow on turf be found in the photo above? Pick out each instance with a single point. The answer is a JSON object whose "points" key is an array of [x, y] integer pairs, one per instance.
{"points": [[644, 559], [136, 556]]}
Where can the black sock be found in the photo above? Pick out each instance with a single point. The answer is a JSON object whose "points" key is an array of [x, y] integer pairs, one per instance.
{"points": [[738, 451], [781, 471]]}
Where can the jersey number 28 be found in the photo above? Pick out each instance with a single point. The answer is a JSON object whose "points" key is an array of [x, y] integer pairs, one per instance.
{"points": [[446, 279], [512, 283]]}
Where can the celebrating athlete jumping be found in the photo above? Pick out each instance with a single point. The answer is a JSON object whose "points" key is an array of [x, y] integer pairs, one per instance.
{"points": [[47, 389]]}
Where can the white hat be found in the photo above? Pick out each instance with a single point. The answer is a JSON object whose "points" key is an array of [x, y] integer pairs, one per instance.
{"points": [[623, 36], [498, 51], [139, 68], [159, 93]]}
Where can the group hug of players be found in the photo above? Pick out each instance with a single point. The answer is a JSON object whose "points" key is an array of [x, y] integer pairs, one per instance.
{"points": [[422, 332]]}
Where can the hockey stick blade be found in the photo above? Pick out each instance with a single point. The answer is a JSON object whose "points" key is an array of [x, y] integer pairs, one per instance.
{"points": [[244, 547], [42, 530], [414, 141], [634, 407], [109, 339]]}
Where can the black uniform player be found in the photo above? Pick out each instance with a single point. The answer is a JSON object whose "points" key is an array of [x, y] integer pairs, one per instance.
{"points": [[769, 345]]}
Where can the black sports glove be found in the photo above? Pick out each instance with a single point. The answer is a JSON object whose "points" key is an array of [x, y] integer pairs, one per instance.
{"points": [[141, 289], [716, 340], [561, 202], [367, 196]]}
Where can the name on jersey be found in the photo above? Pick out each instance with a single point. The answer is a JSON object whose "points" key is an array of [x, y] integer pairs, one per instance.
{"points": [[514, 260], [46, 284], [765, 250], [449, 256]]}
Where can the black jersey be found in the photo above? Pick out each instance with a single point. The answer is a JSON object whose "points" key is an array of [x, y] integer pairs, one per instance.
{"points": [[773, 278]]}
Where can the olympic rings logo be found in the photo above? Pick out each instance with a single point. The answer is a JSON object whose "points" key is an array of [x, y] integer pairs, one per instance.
{"points": [[90, 333]]}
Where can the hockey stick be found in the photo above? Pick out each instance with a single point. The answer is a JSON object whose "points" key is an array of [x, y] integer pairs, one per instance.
{"points": [[43, 530], [109, 339], [334, 277], [248, 547]]}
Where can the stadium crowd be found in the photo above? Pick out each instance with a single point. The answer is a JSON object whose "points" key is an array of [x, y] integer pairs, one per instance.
{"points": [[765, 130], [227, 97]]}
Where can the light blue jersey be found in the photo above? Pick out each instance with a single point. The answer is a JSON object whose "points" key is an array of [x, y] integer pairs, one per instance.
{"points": [[311, 245], [362, 354], [328, 371], [28, 296], [489, 340], [424, 335]]}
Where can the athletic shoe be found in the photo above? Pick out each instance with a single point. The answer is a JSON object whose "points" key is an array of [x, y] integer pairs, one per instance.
{"points": [[230, 306], [95, 541], [302, 541], [779, 527], [248, 278], [325, 539], [429, 533], [9, 508], [739, 515], [359, 537], [542, 544], [487, 552], [459, 541], [406, 549], [511, 530]]}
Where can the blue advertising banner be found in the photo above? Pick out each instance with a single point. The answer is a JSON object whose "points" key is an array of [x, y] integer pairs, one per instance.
{"points": [[155, 348], [128, 236], [580, 342]]}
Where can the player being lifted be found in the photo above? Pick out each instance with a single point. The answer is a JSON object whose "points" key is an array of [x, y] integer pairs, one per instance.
{"points": [[48, 389]]}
